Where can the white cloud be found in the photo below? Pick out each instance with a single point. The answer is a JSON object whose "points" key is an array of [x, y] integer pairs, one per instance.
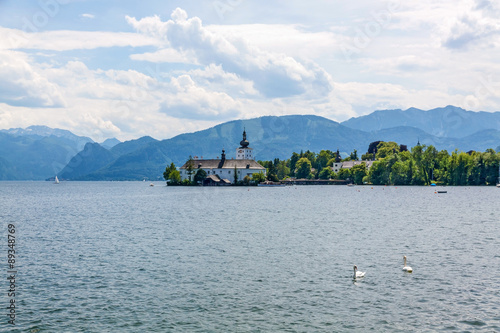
{"points": [[189, 101], [291, 39], [273, 74], [214, 77], [480, 23], [87, 16], [62, 40], [196, 75], [24, 84], [168, 55]]}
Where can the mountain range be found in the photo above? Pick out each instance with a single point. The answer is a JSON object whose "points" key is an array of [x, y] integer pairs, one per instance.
{"points": [[36, 154], [450, 121]]}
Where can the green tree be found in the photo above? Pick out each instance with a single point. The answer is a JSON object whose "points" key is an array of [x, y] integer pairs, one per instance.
{"points": [[200, 176], [399, 173], [343, 174], [235, 175], [379, 174], [310, 156], [293, 163], [478, 169], [372, 147], [428, 162], [271, 171], [385, 149], [168, 170], [325, 173], [190, 167], [358, 172], [404, 156], [367, 157], [354, 155], [460, 168], [441, 170], [258, 177], [247, 180], [174, 177], [283, 170], [322, 159], [330, 162], [303, 168], [492, 161]]}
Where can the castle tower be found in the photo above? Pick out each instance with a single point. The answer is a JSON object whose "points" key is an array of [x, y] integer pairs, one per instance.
{"points": [[244, 152]]}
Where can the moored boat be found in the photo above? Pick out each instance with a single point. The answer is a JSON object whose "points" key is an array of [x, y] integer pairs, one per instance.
{"points": [[270, 183]]}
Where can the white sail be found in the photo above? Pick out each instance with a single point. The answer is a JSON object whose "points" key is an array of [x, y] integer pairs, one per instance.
{"points": [[56, 181]]}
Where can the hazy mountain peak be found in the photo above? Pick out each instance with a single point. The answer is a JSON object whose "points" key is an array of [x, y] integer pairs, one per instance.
{"points": [[110, 143]]}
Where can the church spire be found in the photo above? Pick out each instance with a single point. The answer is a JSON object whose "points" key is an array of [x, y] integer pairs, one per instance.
{"points": [[337, 158], [244, 143], [244, 152]]}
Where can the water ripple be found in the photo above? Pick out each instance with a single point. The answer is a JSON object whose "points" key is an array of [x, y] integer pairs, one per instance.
{"points": [[103, 257]]}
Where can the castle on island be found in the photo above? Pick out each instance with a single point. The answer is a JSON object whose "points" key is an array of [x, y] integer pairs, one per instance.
{"points": [[225, 171]]}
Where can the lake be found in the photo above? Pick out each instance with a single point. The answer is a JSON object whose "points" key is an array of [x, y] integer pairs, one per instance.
{"points": [[127, 257]]}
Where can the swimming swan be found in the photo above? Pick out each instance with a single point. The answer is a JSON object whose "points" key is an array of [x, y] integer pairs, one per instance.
{"points": [[406, 268], [357, 274]]}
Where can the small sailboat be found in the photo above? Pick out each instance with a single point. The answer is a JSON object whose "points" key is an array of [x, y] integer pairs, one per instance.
{"points": [[56, 180]]}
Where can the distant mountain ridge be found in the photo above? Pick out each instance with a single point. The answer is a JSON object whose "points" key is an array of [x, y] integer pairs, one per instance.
{"points": [[35, 157], [450, 121], [40, 152], [44, 131]]}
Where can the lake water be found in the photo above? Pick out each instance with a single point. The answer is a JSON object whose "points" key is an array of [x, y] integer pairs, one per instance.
{"points": [[127, 257]]}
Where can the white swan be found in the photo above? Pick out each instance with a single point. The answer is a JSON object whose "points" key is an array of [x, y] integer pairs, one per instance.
{"points": [[406, 268], [357, 274]]}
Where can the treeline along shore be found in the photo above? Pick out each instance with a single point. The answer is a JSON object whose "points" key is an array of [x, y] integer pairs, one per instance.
{"points": [[385, 163]]}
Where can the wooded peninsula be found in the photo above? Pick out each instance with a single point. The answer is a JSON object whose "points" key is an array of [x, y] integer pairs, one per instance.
{"points": [[385, 163]]}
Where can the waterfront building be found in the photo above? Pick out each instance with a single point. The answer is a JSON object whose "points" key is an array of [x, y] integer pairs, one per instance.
{"points": [[338, 164], [222, 171], [350, 164]]}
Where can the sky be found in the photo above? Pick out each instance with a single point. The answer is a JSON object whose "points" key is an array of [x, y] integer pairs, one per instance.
{"points": [[126, 69]]}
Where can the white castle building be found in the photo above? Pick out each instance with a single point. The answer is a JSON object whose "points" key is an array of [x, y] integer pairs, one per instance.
{"points": [[222, 171]]}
